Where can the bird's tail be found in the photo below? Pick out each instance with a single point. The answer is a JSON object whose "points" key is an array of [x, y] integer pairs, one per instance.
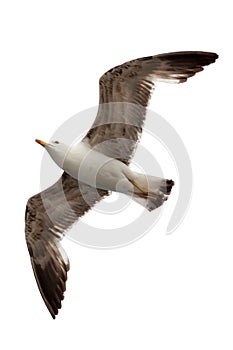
{"points": [[151, 191]]}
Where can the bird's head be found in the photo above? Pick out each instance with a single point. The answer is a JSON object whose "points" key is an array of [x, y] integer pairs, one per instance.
{"points": [[56, 149]]}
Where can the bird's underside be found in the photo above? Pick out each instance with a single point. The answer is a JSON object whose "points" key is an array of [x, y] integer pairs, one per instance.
{"points": [[124, 95]]}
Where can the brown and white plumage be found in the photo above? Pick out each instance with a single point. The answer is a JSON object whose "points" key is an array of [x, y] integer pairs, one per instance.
{"points": [[48, 215], [124, 95]]}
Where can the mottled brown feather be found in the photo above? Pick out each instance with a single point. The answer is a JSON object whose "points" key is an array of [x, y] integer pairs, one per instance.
{"points": [[48, 215], [124, 95]]}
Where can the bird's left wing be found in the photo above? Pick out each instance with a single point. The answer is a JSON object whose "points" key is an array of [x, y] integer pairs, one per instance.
{"points": [[48, 215], [125, 92]]}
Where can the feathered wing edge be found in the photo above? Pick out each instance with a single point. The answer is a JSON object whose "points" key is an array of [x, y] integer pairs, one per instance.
{"points": [[48, 215], [125, 92], [51, 276]]}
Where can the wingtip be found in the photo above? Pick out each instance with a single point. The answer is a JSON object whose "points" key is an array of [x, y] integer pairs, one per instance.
{"points": [[53, 311], [213, 55]]}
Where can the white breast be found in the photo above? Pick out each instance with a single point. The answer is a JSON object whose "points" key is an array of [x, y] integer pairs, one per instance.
{"points": [[93, 168]]}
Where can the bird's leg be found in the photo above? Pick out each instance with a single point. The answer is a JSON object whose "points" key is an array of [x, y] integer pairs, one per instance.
{"points": [[140, 187]]}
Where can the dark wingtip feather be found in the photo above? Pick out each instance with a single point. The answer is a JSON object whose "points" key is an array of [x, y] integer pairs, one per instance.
{"points": [[184, 64], [207, 57], [200, 57]]}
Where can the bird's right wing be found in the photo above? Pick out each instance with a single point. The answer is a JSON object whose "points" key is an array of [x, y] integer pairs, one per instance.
{"points": [[48, 215], [50, 270]]}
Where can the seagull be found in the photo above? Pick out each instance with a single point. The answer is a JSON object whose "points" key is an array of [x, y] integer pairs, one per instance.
{"points": [[99, 164]]}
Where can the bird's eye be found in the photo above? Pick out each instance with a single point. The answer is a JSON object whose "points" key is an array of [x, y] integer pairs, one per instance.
{"points": [[55, 142]]}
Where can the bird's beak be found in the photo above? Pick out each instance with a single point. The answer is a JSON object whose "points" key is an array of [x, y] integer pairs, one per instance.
{"points": [[42, 143]]}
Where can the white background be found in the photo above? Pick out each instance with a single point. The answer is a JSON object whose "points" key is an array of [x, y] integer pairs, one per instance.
{"points": [[162, 292]]}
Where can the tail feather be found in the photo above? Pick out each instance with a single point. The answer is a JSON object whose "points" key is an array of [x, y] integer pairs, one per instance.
{"points": [[150, 191], [148, 202]]}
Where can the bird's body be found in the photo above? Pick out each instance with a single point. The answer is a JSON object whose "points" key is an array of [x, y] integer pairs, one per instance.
{"points": [[100, 163], [96, 169]]}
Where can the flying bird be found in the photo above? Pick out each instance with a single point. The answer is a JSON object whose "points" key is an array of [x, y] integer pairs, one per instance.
{"points": [[99, 164]]}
